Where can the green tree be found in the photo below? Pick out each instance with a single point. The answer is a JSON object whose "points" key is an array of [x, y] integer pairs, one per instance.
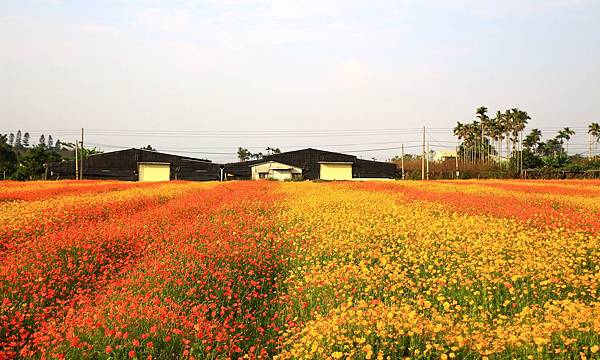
{"points": [[42, 140], [532, 140], [531, 160], [473, 135], [484, 137], [521, 119], [243, 154], [271, 150], [148, 147], [26, 139], [90, 151], [484, 119], [551, 148], [256, 156], [565, 134], [18, 140], [33, 161], [461, 132], [507, 127], [499, 132], [594, 131], [8, 157]]}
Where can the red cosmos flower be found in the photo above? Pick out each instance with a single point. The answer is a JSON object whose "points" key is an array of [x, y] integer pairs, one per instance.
{"points": [[117, 258], [108, 349], [131, 354]]}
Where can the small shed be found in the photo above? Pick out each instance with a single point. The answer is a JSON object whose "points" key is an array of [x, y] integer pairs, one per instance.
{"points": [[275, 171]]}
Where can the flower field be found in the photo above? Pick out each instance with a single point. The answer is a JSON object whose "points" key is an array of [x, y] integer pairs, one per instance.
{"points": [[341, 270]]}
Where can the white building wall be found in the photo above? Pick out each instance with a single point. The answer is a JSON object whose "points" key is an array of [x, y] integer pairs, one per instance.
{"points": [[275, 170]]}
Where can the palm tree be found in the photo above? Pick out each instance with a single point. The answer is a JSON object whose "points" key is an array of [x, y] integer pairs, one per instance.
{"points": [[565, 134], [474, 135], [552, 146], [488, 133], [507, 127], [481, 113], [594, 131], [521, 119], [532, 141], [492, 132], [460, 131], [499, 131]]}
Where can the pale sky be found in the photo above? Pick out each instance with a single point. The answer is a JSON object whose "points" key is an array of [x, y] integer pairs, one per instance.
{"points": [[125, 70]]}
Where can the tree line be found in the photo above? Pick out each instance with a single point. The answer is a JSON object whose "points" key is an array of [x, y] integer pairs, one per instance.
{"points": [[501, 140], [245, 154], [21, 160]]}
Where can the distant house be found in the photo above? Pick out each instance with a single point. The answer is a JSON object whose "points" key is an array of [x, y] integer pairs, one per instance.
{"points": [[442, 155], [138, 165], [310, 164]]}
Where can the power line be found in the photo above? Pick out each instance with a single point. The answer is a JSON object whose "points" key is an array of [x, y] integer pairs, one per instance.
{"points": [[248, 131], [270, 131], [161, 149], [244, 136], [197, 151], [380, 149], [288, 146]]}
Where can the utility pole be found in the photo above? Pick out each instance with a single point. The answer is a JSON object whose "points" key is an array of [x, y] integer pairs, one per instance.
{"points": [[456, 158], [76, 160], [81, 167], [521, 157], [402, 161], [423, 157], [590, 146], [482, 150], [427, 172]]}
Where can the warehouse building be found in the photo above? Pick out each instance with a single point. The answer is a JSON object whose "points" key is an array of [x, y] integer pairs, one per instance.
{"points": [[138, 165], [311, 164]]}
